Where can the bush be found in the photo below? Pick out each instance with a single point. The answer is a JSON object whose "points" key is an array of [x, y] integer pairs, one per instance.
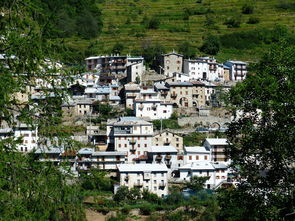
{"points": [[117, 48], [121, 194], [187, 49], [233, 22], [253, 20], [174, 116], [166, 123], [248, 9], [146, 209], [154, 23], [211, 45]]}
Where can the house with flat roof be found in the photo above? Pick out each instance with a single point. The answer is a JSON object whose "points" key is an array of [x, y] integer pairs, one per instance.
{"points": [[152, 177]]}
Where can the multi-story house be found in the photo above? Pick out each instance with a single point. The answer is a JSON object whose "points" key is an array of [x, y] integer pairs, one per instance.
{"points": [[148, 104], [169, 63], [195, 154], [29, 137], [216, 172], [152, 177], [111, 64], [135, 71], [164, 155], [163, 91], [181, 94], [107, 160], [131, 91], [199, 99], [237, 69], [167, 138], [131, 135], [217, 148]]}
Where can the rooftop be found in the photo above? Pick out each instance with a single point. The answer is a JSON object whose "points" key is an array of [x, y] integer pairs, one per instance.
{"points": [[217, 141], [108, 153], [196, 149], [200, 165], [142, 168], [163, 149]]}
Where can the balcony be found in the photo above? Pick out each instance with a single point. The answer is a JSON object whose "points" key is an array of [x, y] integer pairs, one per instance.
{"points": [[132, 141], [132, 150], [140, 107], [131, 95], [167, 141], [159, 158], [168, 157], [138, 184], [173, 95], [162, 185], [126, 178], [154, 107]]}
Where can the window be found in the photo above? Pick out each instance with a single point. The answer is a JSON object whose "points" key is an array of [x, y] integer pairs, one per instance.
{"points": [[190, 157], [125, 145], [119, 145], [119, 138], [177, 139], [138, 152], [145, 138], [206, 157], [138, 138], [179, 157], [197, 157], [155, 181], [155, 188], [138, 174], [164, 111], [217, 177], [157, 139], [138, 145], [167, 67], [186, 93], [162, 175], [145, 145]]}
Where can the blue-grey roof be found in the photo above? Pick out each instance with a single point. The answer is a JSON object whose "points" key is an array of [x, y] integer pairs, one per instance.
{"points": [[86, 151], [115, 98], [180, 84]]}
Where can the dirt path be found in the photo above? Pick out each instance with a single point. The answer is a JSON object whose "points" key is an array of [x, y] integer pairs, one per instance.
{"points": [[94, 216]]}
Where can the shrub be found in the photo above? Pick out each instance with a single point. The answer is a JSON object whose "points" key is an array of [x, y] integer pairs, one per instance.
{"points": [[121, 194], [247, 9], [211, 45], [253, 20], [117, 48], [233, 22], [187, 49], [154, 23], [146, 209], [174, 116]]}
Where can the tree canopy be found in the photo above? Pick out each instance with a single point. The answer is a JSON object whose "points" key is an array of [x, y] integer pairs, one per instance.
{"points": [[262, 135]]}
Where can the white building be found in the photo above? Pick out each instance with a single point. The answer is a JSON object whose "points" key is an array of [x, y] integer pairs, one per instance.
{"points": [[195, 154], [217, 148], [29, 137], [148, 104], [131, 135], [107, 160], [135, 69], [216, 172], [238, 70], [152, 177]]}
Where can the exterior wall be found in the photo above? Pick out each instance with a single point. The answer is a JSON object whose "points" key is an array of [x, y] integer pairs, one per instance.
{"points": [[196, 69], [153, 110], [168, 138], [238, 70], [209, 90], [30, 139], [169, 159], [155, 182], [217, 152], [191, 157], [83, 109], [199, 95], [182, 95], [134, 71], [107, 162], [170, 63]]}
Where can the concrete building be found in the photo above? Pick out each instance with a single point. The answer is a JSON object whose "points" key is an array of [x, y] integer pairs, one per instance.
{"points": [[237, 69], [135, 71], [216, 172], [107, 160], [167, 138], [114, 64], [199, 99], [131, 135], [164, 155], [152, 177], [131, 91], [195, 154], [169, 63], [181, 94], [217, 148], [29, 137]]}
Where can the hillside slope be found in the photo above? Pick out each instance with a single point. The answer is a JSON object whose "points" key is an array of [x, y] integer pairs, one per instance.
{"points": [[175, 21]]}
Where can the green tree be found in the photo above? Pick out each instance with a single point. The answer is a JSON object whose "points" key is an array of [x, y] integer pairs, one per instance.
{"points": [[121, 194], [187, 49], [118, 48], [211, 45], [247, 9], [30, 190], [196, 183], [262, 135]]}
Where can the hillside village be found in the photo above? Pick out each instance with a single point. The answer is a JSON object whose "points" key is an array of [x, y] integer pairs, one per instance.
{"points": [[126, 143]]}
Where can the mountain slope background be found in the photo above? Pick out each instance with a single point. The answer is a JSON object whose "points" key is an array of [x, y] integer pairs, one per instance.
{"points": [[244, 28]]}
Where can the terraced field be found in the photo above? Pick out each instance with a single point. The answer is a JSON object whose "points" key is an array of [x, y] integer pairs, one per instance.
{"points": [[184, 20]]}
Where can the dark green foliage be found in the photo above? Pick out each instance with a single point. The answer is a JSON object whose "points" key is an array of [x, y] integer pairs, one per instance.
{"points": [[129, 112], [262, 136], [124, 193], [187, 50], [96, 180], [118, 48], [154, 23], [211, 45], [174, 116], [233, 22], [247, 9], [251, 39], [253, 20], [286, 5], [151, 197], [196, 183], [151, 50], [69, 17]]}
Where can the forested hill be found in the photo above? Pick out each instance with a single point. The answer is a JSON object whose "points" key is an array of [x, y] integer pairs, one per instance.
{"points": [[242, 28]]}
